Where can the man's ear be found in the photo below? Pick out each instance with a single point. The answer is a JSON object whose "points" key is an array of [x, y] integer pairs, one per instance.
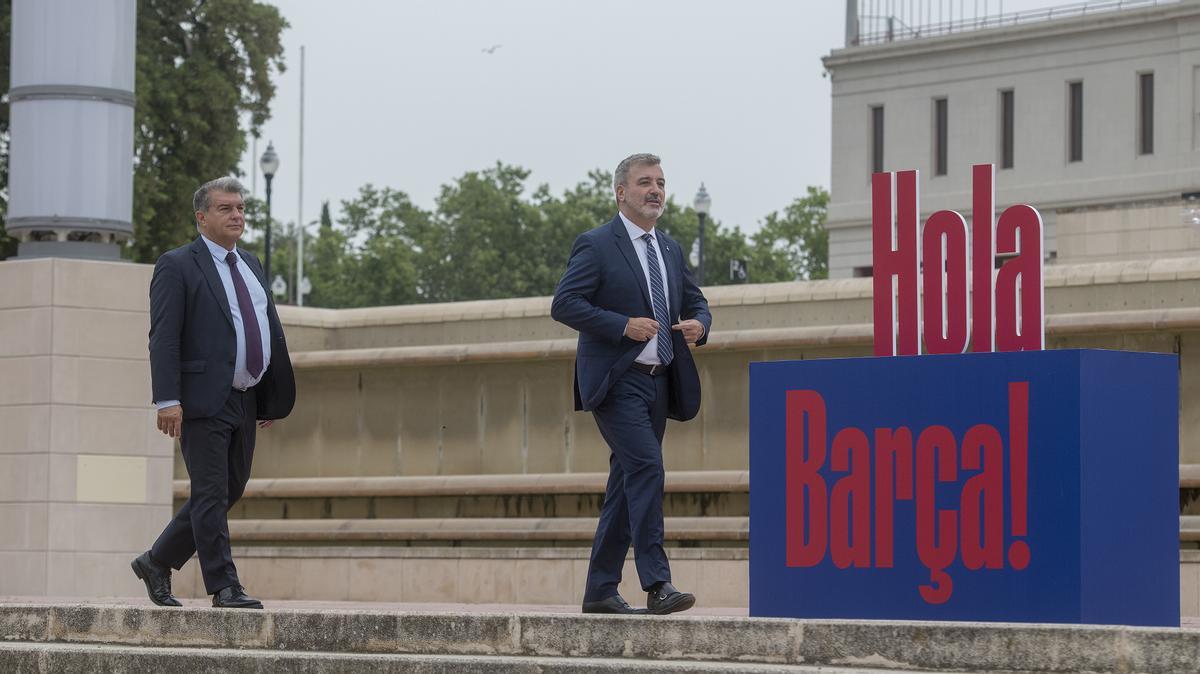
{"points": [[620, 193]]}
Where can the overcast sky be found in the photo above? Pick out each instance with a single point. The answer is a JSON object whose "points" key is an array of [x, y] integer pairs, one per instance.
{"points": [[401, 94]]}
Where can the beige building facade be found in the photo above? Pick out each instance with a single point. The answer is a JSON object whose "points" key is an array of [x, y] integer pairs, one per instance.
{"points": [[1093, 118]]}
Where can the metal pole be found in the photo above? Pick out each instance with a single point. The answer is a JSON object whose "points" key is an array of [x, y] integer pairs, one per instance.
{"points": [[300, 205], [254, 171], [267, 249], [700, 257]]}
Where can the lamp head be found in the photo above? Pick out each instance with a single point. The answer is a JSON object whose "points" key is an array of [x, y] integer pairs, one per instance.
{"points": [[269, 161], [703, 202]]}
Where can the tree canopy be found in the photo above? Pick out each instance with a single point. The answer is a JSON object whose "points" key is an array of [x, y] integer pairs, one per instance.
{"points": [[491, 235]]}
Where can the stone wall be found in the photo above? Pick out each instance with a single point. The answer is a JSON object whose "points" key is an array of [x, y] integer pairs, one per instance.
{"points": [[84, 475], [485, 387]]}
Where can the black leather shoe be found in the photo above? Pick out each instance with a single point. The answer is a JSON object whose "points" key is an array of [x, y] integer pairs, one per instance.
{"points": [[613, 604], [157, 579], [234, 596], [666, 599]]}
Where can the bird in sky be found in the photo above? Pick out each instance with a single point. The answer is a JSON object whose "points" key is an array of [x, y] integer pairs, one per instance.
{"points": [[492, 49]]}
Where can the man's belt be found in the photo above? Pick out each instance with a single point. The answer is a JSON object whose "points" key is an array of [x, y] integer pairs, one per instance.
{"points": [[652, 370]]}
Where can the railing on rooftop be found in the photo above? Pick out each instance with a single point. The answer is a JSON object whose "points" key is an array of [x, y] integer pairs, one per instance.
{"points": [[883, 21]]}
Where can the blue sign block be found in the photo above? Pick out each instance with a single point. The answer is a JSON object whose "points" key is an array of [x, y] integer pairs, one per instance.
{"points": [[1039, 486]]}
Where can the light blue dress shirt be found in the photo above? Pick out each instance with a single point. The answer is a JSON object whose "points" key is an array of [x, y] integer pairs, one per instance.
{"points": [[258, 296]]}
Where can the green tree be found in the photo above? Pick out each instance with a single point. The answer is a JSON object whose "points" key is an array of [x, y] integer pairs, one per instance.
{"points": [[486, 241], [381, 269], [795, 244], [329, 265], [589, 204], [203, 69]]}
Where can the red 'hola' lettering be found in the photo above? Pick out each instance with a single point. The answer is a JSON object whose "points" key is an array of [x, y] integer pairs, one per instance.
{"points": [[838, 521], [920, 275]]}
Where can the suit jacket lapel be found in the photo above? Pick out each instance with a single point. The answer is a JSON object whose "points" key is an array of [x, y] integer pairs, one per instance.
{"points": [[635, 265], [260, 274], [254, 269], [203, 258], [674, 282]]}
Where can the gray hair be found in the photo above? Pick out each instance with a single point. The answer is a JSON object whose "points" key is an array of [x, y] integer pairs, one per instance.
{"points": [[201, 200], [640, 159]]}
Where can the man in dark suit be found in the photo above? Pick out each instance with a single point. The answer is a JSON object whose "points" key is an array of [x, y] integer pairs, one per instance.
{"points": [[218, 364], [625, 290]]}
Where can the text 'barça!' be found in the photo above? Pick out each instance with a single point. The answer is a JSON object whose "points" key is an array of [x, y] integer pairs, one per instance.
{"points": [[836, 517]]}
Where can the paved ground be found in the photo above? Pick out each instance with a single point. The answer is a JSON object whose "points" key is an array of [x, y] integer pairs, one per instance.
{"points": [[1188, 623]]}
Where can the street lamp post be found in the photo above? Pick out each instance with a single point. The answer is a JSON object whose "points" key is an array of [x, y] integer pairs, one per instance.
{"points": [[269, 164], [702, 203]]}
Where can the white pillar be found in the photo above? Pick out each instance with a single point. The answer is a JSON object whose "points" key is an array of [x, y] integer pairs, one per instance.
{"points": [[71, 151]]}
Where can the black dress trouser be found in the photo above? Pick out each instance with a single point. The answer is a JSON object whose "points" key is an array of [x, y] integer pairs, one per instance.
{"points": [[217, 451]]}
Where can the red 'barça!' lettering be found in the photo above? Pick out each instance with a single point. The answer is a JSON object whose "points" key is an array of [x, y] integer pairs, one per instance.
{"points": [[1006, 306], [839, 520]]}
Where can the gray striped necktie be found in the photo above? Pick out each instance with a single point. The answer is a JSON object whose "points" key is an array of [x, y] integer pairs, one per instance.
{"points": [[665, 351]]}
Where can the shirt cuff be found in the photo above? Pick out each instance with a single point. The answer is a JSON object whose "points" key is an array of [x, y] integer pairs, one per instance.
{"points": [[166, 403]]}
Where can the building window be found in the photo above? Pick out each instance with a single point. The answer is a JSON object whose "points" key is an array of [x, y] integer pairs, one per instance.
{"points": [[1146, 113], [876, 138], [940, 139], [1075, 121], [1006, 129]]}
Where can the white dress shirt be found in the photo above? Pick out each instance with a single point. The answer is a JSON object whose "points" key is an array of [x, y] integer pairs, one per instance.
{"points": [[649, 355], [242, 378]]}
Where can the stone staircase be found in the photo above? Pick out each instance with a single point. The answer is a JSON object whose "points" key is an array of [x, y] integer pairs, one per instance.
{"points": [[95, 638], [505, 539], [508, 538]]}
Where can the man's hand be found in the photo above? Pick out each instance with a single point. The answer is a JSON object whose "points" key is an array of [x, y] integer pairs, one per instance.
{"points": [[641, 329], [266, 423], [692, 330], [170, 420]]}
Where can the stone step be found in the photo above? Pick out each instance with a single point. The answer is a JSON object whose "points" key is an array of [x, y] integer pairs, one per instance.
{"points": [[1189, 528], [484, 505], [700, 493], [439, 529], [866, 645], [22, 657], [461, 574], [677, 481]]}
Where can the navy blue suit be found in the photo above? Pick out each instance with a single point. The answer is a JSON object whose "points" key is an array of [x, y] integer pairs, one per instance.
{"points": [[193, 345], [603, 287]]}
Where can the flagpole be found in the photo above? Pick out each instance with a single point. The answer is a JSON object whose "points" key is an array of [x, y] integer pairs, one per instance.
{"points": [[300, 204]]}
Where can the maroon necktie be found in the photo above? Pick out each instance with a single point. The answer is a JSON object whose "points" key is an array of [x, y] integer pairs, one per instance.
{"points": [[254, 353]]}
